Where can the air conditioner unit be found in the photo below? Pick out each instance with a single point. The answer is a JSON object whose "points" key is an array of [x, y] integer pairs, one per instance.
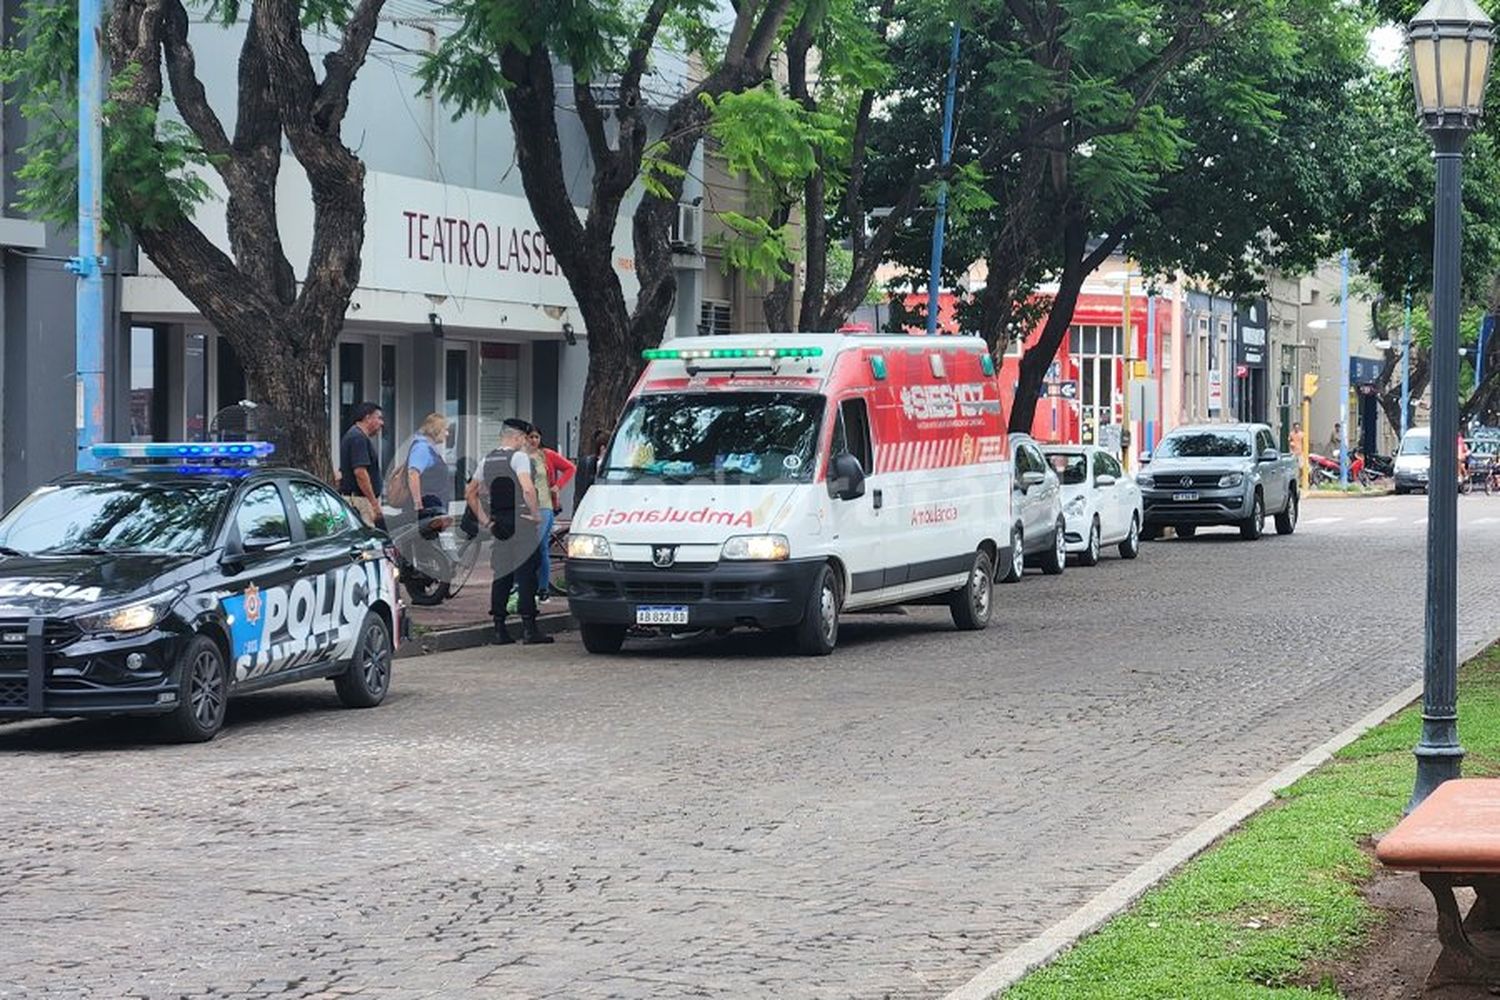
{"points": [[687, 231]]}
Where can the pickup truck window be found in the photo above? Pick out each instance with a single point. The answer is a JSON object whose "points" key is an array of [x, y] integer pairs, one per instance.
{"points": [[1205, 444]]}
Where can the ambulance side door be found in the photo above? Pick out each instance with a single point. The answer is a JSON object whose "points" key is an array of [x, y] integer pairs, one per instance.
{"points": [[856, 522], [265, 567]]}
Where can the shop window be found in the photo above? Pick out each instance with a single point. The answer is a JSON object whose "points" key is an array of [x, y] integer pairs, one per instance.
{"points": [[148, 383], [714, 319], [195, 387], [499, 390]]}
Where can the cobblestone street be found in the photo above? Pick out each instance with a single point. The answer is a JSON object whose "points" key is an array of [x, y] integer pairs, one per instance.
{"points": [[713, 818]]}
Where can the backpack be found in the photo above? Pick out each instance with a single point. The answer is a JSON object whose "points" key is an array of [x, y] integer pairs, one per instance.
{"points": [[397, 483]]}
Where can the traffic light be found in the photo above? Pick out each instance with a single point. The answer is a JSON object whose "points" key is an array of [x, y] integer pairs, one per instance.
{"points": [[1309, 385]]}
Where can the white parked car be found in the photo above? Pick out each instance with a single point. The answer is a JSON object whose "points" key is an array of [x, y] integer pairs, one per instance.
{"points": [[1101, 504]]}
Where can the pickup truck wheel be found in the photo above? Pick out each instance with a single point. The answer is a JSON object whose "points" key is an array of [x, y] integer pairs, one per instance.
{"points": [[819, 631], [1056, 558], [1255, 525], [1131, 546], [1150, 533], [1286, 521], [1017, 566], [1185, 530], [971, 603], [1090, 555]]}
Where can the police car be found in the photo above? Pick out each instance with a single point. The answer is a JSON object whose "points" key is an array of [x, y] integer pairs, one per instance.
{"points": [[181, 575]]}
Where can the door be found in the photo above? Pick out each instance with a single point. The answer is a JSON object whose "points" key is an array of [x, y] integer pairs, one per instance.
{"points": [[1028, 498], [856, 523], [1106, 498], [351, 382], [333, 552], [1273, 483], [258, 608], [460, 456]]}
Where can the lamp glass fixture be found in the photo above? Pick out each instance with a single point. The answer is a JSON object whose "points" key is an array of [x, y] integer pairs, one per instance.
{"points": [[1450, 44]]}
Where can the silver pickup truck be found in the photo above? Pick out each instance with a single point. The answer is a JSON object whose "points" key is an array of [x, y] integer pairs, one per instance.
{"points": [[1218, 474]]}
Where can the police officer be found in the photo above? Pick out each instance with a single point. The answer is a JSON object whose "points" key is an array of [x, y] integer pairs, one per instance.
{"points": [[503, 498]]}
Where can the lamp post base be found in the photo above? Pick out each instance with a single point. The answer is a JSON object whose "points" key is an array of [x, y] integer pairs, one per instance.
{"points": [[1437, 762]]}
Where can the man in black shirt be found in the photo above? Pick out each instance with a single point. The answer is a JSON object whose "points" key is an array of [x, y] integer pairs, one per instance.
{"points": [[359, 464]]}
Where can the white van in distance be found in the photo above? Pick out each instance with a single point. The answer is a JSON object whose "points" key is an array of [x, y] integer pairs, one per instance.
{"points": [[776, 481]]}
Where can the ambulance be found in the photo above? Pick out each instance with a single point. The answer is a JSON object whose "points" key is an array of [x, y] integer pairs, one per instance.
{"points": [[779, 481]]}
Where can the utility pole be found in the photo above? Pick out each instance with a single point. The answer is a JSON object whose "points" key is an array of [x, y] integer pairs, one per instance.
{"points": [[1406, 369], [90, 263], [942, 199], [1344, 368]]}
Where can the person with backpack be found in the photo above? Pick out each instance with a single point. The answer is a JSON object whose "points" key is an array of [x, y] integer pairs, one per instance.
{"points": [[502, 497]]}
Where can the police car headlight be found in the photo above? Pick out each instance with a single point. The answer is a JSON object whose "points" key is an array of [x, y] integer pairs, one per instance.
{"points": [[758, 547], [588, 547], [1076, 506], [137, 617]]}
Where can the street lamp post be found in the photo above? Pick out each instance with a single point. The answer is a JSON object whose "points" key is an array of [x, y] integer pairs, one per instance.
{"points": [[1450, 43]]}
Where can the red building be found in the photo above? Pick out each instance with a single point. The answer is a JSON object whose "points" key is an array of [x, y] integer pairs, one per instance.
{"points": [[1085, 388]]}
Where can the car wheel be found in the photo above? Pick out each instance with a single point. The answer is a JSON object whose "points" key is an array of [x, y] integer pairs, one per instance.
{"points": [[1056, 558], [1286, 521], [1090, 555], [1254, 525], [1401, 491], [1185, 530], [1017, 567], [202, 693], [365, 681], [602, 638], [818, 632], [971, 603], [1131, 546]]}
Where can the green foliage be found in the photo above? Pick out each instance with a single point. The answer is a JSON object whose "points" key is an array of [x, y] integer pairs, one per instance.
{"points": [[152, 163], [771, 138], [754, 246], [1280, 893], [657, 172]]}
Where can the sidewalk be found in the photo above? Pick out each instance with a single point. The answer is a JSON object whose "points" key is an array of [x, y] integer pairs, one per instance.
{"points": [[463, 622]]}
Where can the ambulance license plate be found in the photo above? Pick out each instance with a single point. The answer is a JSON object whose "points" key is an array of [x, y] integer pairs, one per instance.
{"points": [[656, 614], [1185, 496]]}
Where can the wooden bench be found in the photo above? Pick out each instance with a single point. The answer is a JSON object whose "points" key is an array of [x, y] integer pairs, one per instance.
{"points": [[1452, 840]]}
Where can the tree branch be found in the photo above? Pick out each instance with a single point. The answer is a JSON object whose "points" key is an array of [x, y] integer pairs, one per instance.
{"points": [[187, 90], [342, 64], [593, 123]]}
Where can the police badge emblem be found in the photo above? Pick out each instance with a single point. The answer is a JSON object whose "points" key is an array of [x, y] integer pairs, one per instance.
{"points": [[252, 604]]}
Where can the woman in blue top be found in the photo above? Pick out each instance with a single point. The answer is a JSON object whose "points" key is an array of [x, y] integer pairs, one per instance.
{"points": [[427, 472]]}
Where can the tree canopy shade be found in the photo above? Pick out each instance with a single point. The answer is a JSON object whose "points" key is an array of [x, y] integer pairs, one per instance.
{"points": [[162, 135]]}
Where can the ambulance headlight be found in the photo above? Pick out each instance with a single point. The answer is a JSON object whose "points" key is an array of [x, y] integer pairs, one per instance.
{"points": [[758, 547], [130, 618], [588, 547]]}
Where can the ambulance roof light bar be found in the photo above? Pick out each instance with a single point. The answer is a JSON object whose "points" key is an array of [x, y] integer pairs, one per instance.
{"points": [[728, 353], [178, 451]]}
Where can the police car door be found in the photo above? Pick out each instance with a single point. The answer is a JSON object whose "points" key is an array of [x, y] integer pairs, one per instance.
{"points": [[256, 608], [342, 582]]}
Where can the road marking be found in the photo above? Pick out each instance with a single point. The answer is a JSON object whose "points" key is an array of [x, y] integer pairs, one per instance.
{"points": [[1485, 520], [1321, 520], [1377, 520], [1420, 520]]}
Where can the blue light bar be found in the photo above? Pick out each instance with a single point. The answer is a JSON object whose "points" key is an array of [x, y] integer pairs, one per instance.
{"points": [[245, 451]]}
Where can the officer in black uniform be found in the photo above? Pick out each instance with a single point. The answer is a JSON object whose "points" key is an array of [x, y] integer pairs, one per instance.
{"points": [[503, 498]]}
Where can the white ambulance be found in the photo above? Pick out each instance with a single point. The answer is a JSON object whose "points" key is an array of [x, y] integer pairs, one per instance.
{"points": [[776, 481]]}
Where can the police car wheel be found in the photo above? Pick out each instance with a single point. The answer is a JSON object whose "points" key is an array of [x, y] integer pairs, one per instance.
{"points": [[364, 683], [203, 693]]}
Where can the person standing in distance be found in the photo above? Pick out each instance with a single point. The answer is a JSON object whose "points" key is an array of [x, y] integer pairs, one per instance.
{"points": [[359, 464]]}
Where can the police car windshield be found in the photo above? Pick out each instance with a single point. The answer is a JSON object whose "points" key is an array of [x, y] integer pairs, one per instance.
{"points": [[110, 517], [1205, 444], [756, 437]]}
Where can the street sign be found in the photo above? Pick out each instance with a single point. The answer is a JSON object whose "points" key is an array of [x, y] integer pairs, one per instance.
{"points": [[1215, 390], [1241, 371], [1309, 385], [1069, 390]]}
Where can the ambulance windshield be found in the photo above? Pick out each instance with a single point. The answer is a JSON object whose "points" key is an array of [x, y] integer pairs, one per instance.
{"points": [[734, 437]]}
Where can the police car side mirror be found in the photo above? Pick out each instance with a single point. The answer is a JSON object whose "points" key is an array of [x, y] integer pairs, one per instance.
{"points": [[846, 477]]}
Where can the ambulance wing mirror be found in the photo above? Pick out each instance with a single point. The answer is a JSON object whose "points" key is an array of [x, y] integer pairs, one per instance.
{"points": [[846, 477]]}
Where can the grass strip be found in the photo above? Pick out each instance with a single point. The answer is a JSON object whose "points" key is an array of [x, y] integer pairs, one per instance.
{"points": [[1244, 920]]}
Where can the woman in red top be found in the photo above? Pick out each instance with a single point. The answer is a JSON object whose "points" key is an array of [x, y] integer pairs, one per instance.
{"points": [[560, 471]]}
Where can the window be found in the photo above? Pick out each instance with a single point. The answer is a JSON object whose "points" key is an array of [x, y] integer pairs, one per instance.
{"points": [[1112, 465], [148, 383], [322, 513], [1263, 441], [1072, 468], [262, 518], [1203, 326], [854, 419], [106, 516], [1028, 459], [1101, 465], [1205, 444], [713, 319]]}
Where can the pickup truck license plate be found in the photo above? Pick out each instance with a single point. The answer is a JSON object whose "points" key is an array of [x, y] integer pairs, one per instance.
{"points": [[1185, 496], [661, 615]]}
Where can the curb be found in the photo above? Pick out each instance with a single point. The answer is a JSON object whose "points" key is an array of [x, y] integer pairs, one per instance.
{"points": [[1337, 495], [1012, 966], [448, 640]]}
